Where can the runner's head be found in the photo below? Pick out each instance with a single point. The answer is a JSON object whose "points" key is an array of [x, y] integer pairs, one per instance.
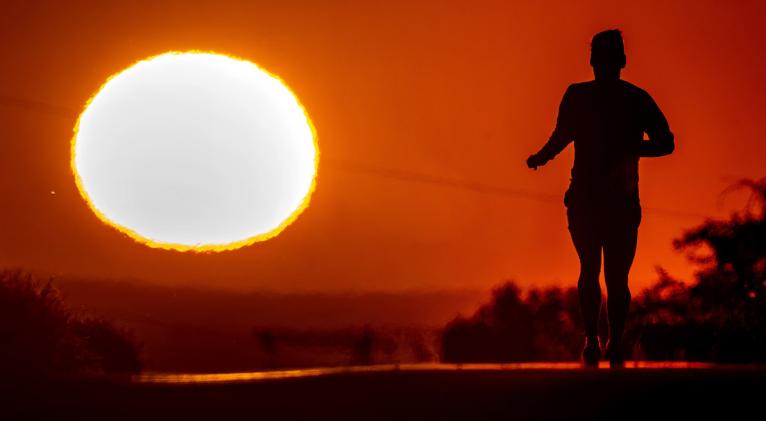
{"points": [[607, 54]]}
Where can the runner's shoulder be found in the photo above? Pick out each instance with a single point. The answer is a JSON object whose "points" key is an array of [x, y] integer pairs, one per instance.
{"points": [[577, 89], [634, 90]]}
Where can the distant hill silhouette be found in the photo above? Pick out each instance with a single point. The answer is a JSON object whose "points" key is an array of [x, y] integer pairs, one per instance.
{"points": [[185, 329]]}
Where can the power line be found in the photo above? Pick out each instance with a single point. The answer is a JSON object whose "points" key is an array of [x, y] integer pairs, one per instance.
{"points": [[476, 187], [484, 188], [401, 175]]}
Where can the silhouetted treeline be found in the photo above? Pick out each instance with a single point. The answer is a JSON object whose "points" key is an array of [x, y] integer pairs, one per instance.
{"points": [[720, 316], [39, 335]]}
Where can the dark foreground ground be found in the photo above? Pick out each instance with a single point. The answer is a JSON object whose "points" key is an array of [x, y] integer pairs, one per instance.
{"points": [[429, 392]]}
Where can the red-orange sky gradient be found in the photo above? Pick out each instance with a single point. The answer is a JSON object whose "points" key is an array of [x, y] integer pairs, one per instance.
{"points": [[458, 90]]}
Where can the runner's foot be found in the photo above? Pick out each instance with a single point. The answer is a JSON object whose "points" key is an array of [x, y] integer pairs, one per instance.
{"points": [[591, 354], [615, 353]]}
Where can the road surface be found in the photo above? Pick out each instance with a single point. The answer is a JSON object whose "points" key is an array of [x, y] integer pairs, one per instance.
{"points": [[532, 391]]}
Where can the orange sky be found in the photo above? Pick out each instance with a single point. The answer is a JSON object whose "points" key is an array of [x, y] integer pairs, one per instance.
{"points": [[456, 90]]}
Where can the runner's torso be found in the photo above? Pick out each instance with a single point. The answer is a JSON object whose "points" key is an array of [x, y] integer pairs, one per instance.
{"points": [[607, 123]]}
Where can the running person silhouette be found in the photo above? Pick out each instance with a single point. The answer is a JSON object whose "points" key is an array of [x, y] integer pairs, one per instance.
{"points": [[606, 118]]}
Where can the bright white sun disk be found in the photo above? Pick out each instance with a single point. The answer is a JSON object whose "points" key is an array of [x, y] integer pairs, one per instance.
{"points": [[195, 151]]}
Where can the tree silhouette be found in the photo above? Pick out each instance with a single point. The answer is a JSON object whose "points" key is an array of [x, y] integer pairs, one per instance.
{"points": [[722, 315]]}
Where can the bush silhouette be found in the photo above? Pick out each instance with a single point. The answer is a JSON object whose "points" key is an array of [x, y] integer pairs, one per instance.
{"points": [[39, 335], [542, 326]]}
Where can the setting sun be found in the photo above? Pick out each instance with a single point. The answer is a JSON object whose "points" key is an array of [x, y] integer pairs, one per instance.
{"points": [[195, 151]]}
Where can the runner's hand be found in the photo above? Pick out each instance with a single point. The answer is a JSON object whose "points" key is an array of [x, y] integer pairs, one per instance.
{"points": [[534, 161]]}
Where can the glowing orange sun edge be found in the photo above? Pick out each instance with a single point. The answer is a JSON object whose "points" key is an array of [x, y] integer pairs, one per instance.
{"points": [[208, 247]]}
